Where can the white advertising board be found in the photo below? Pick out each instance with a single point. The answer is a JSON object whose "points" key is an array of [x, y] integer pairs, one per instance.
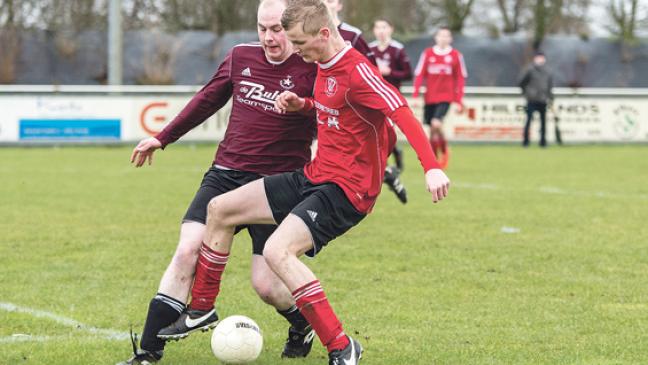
{"points": [[129, 117], [80, 118], [581, 119]]}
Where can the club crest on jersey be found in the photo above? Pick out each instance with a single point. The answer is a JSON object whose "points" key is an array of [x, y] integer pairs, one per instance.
{"points": [[287, 83], [447, 59], [331, 86]]}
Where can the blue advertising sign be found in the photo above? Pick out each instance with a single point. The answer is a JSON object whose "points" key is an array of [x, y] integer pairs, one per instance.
{"points": [[70, 129]]}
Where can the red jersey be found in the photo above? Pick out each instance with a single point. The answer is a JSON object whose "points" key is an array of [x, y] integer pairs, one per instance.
{"points": [[353, 36], [258, 138], [395, 57], [353, 103], [445, 73]]}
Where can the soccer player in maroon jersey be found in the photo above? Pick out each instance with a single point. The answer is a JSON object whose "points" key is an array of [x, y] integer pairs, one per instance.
{"points": [[259, 141], [335, 190], [391, 58], [444, 72], [394, 66]]}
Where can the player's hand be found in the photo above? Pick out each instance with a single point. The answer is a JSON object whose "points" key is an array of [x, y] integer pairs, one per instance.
{"points": [[460, 108], [144, 151], [438, 184], [289, 102]]}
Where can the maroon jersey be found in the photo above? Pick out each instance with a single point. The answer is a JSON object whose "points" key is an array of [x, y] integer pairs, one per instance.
{"points": [[396, 59], [353, 103], [258, 138], [353, 36]]}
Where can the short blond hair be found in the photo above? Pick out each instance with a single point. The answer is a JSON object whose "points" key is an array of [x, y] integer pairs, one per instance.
{"points": [[313, 14]]}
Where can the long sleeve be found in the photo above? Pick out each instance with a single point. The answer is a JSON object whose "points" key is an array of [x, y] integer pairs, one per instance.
{"points": [[204, 104], [403, 71], [524, 79], [460, 75], [420, 73], [550, 91]]}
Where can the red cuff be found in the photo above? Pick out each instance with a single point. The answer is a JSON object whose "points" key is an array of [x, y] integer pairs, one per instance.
{"points": [[308, 105]]}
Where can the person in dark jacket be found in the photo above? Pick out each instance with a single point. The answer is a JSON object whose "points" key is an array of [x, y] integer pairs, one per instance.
{"points": [[536, 84]]}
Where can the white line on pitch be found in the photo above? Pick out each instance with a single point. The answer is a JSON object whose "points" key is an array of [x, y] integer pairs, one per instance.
{"points": [[553, 191], [105, 333], [28, 338]]}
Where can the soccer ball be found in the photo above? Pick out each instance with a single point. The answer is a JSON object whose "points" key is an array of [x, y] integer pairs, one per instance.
{"points": [[237, 340]]}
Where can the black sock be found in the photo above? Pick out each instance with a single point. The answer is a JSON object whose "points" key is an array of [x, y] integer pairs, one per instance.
{"points": [[296, 319], [163, 310]]}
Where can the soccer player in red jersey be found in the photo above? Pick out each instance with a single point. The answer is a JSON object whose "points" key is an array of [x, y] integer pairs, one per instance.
{"points": [[259, 141], [394, 66], [335, 190], [442, 69], [353, 36]]}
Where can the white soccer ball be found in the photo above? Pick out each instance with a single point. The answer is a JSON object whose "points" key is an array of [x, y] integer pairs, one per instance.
{"points": [[237, 340]]}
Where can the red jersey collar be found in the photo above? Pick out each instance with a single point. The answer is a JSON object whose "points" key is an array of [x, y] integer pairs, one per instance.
{"points": [[330, 63], [441, 52]]}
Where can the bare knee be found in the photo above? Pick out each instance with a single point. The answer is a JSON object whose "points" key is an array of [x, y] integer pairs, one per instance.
{"points": [[186, 255], [265, 288], [275, 254], [219, 213], [436, 126]]}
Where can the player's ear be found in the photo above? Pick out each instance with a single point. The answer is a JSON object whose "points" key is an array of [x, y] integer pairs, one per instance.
{"points": [[325, 33]]}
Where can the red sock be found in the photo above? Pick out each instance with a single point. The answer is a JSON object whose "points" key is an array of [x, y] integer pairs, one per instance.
{"points": [[436, 145], [443, 144], [206, 286], [312, 303]]}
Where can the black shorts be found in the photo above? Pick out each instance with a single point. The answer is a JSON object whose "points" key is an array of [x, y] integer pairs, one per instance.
{"points": [[324, 208], [216, 182], [435, 111]]}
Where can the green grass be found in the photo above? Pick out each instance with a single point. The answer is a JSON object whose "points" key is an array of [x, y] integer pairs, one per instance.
{"points": [[86, 236]]}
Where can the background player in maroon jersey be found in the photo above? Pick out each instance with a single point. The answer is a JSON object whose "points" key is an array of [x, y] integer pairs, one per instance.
{"points": [[335, 190], [444, 72], [391, 58], [394, 66], [348, 32], [259, 141]]}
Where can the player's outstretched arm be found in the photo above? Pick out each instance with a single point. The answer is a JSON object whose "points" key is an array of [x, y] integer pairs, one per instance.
{"points": [[144, 151], [289, 102], [436, 180]]}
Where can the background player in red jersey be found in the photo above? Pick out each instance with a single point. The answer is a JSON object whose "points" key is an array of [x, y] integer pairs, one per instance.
{"points": [[259, 141], [444, 72], [394, 66], [335, 190]]}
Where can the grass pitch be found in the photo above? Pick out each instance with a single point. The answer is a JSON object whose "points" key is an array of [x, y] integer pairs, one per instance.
{"points": [[537, 257]]}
